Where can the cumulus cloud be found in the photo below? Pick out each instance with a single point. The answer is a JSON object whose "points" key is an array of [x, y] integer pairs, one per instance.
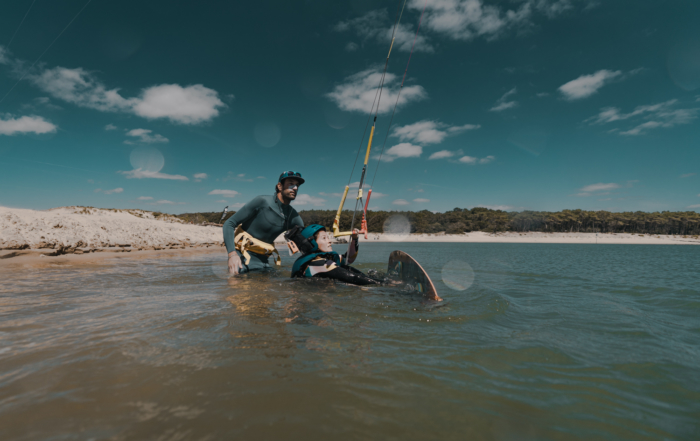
{"points": [[421, 200], [503, 103], [403, 150], [401, 202], [586, 85], [600, 187], [240, 177], [429, 132], [109, 127], [687, 175], [660, 115], [473, 160], [225, 193], [145, 174], [305, 199], [470, 19], [199, 177], [145, 198], [442, 154], [145, 136], [10, 125], [357, 92], [115, 190], [192, 104], [377, 25]]}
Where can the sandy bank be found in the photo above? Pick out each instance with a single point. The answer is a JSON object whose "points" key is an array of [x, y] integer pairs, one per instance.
{"points": [[78, 230]]}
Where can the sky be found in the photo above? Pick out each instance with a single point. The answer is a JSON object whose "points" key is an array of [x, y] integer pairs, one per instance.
{"points": [[190, 106]]}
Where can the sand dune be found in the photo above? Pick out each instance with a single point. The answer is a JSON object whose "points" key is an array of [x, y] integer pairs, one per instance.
{"points": [[80, 229]]}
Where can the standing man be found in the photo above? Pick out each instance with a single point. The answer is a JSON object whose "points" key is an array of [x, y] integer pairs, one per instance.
{"points": [[250, 234]]}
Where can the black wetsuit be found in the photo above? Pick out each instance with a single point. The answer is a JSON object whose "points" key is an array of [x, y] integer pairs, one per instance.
{"points": [[331, 265]]}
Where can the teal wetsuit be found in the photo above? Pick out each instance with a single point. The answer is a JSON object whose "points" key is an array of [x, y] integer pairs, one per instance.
{"points": [[264, 218]]}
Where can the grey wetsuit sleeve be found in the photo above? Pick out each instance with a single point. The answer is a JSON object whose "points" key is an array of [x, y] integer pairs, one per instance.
{"points": [[296, 220], [246, 212]]}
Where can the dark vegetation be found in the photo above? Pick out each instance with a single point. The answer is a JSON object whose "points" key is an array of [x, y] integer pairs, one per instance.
{"points": [[461, 220]]}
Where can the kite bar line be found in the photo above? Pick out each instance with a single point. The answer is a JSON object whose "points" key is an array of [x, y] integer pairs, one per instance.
{"points": [[375, 110], [391, 120], [46, 50]]}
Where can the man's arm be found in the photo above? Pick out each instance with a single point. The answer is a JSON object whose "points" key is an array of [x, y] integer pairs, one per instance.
{"points": [[246, 212]]}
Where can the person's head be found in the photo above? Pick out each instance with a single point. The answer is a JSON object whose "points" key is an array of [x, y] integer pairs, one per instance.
{"points": [[288, 185], [323, 239], [318, 237]]}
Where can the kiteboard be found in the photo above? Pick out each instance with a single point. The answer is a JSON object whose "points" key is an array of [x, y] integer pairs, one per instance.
{"points": [[405, 268]]}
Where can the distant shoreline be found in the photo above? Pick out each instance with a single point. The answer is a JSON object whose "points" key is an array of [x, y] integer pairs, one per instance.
{"points": [[84, 231]]}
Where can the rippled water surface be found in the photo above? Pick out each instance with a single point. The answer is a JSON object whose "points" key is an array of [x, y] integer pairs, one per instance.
{"points": [[547, 342]]}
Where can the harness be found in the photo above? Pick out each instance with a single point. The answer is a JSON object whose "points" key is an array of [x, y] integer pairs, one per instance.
{"points": [[301, 262], [244, 242]]}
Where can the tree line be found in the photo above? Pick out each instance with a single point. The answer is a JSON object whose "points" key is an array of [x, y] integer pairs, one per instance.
{"points": [[463, 220]]}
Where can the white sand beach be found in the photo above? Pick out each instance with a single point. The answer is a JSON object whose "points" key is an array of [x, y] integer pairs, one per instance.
{"points": [[80, 230]]}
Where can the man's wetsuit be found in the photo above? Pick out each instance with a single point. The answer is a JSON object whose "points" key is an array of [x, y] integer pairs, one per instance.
{"points": [[331, 265], [264, 218]]}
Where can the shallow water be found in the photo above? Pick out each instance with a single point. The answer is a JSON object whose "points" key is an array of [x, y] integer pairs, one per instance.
{"points": [[549, 342]]}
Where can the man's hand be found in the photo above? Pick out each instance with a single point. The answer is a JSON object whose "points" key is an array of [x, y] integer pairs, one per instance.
{"points": [[234, 263]]}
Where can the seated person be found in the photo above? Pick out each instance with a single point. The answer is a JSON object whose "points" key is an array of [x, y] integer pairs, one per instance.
{"points": [[319, 260]]}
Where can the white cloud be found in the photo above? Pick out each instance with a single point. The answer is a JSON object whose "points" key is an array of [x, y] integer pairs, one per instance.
{"points": [[116, 190], [470, 19], [145, 136], [660, 115], [376, 25], [665, 120], [221, 201], [542, 94], [503, 103], [261, 177], [442, 154], [693, 206], [305, 199], [145, 174], [473, 160], [403, 150], [468, 159], [429, 132], [600, 187], [109, 127], [687, 175], [166, 202], [25, 124], [225, 193], [421, 200], [4, 55], [145, 198], [351, 47], [376, 194], [357, 92], [240, 177], [184, 105], [487, 159], [198, 177], [401, 202], [586, 85]]}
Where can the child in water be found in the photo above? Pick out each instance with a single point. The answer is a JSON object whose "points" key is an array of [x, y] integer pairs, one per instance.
{"points": [[319, 260]]}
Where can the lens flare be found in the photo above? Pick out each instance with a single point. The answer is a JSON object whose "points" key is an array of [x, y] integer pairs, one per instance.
{"points": [[147, 159], [267, 134], [458, 275], [397, 228]]}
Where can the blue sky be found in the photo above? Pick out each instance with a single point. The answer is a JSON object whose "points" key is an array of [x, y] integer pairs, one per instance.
{"points": [[182, 107]]}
